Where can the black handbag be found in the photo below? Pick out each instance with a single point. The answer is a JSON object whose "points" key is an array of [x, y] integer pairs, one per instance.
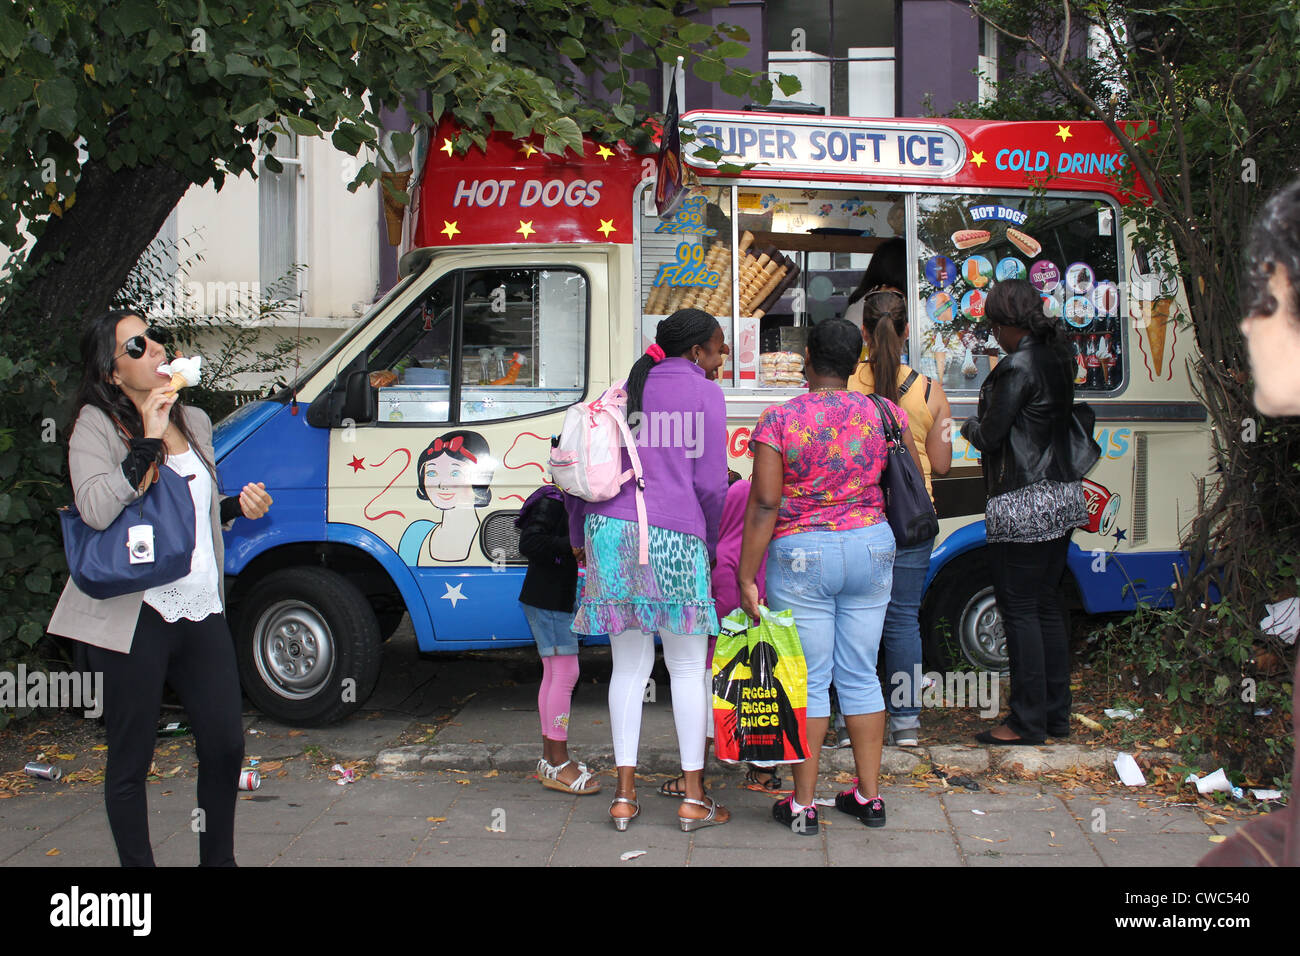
{"points": [[908, 507], [1084, 450], [100, 561]]}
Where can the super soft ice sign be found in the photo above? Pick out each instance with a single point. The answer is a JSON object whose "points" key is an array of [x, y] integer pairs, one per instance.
{"points": [[815, 145]]}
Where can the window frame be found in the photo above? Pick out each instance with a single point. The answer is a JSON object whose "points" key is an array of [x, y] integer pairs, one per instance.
{"points": [[455, 409]]}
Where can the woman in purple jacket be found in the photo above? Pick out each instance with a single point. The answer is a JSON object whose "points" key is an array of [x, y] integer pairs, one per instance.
{"points": [[679, 419]]}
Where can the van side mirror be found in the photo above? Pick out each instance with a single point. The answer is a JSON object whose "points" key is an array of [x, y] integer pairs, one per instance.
{"points": [[349, 397]]}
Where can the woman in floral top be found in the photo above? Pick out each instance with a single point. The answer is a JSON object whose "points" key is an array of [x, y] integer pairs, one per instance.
{"points": [[816, 507]]}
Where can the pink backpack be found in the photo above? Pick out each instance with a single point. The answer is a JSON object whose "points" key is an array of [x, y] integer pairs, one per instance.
{"points": [[585, 462]]}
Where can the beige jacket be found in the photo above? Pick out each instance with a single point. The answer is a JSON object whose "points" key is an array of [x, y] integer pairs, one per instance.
{"points": [[95, 455]]}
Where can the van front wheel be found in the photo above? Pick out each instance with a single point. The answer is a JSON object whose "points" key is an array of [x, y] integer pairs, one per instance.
{"points": [[308, 646]]}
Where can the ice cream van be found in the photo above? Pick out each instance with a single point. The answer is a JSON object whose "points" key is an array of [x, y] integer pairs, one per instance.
{"points": [[530, 282]]}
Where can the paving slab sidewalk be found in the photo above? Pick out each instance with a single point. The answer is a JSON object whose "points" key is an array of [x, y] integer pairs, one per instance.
{"points": [[468, 798]]}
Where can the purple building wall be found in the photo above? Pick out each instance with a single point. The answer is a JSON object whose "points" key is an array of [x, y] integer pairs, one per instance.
{"points": [[938, 53]]}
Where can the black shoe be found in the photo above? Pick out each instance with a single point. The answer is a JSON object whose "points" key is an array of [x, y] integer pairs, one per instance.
{"points": [[1058, 734], [804, 823], [986, 737], [872, 813]]}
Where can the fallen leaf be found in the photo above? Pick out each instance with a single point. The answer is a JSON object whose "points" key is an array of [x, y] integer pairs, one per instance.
{"points": [[1160, 742], [55, 852], [296, 733], [436, 819], [492, 773], [100, 747], [1217, 838], [987, 840], [283, 773], [1088, 722], [1054, 844], [1214, 818], [458, 771], [272, 765], [463, 783], [65, 756]]}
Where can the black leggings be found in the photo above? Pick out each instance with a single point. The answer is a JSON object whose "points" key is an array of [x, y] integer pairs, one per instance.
{"points": [[1027, 581], [197, 658]]}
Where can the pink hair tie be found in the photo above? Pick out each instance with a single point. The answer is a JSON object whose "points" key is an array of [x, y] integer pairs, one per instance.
{"points": [[655, 352]]}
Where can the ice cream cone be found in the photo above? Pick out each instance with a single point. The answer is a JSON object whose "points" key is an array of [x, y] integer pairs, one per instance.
{"points": [[393, 210], [1156, 319], [177, 383]]}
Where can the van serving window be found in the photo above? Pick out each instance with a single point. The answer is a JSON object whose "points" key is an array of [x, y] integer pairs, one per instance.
{"points": [[1067, 248]]}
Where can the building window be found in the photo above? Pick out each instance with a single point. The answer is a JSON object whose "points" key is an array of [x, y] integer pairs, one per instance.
{"points": [[988, 64], [279, 212], [841, 50]]}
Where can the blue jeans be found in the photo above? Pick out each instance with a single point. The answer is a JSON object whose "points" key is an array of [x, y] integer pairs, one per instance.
{"points": [[837, 583], [552, 630], [902, 636]]}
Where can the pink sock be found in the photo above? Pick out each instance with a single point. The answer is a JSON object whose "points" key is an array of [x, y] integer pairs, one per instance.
{"points": [[560, 675]]}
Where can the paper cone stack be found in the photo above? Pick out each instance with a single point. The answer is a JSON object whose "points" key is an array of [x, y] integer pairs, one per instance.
{"points": [[393, 209]]}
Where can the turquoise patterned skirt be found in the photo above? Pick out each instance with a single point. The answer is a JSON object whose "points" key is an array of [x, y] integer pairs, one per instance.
{"points": [[671, 593]]}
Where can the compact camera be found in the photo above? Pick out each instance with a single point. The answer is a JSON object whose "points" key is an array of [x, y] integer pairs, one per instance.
{"points": [[139, 543]]}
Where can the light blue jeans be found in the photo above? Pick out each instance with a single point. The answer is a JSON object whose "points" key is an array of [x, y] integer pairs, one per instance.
{"points": [[837, 583], [902, 634]]}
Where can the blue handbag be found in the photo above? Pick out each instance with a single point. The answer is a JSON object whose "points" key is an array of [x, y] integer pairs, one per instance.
{"points": [[100, 561]]}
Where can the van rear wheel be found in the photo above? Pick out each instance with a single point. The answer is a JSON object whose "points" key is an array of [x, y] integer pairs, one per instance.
{"points": [[308, 646], [960, 621]]}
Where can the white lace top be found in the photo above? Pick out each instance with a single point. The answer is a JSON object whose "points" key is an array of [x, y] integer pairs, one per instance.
{"points": [[196, 595]]}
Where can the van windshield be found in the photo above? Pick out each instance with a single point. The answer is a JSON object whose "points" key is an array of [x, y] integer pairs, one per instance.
{"points": [[332, 352]]}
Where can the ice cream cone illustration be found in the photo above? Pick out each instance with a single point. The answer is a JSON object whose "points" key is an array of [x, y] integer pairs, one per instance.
{"points": [[1155, 317], [393, 210]]}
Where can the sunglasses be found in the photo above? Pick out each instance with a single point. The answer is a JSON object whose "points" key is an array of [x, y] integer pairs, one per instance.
{"points": [[136, 345]]}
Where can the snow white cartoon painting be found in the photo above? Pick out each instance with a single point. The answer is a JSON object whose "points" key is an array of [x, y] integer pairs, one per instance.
{"points": [[454, 474]]}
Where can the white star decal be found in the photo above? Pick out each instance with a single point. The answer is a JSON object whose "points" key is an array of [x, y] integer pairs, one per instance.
{"points": [[453, 594]]}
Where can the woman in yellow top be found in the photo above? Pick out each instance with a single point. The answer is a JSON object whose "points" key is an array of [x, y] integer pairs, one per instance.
{"points": [[884, 329]]}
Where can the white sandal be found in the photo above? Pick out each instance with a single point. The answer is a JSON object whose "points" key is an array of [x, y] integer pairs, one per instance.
{"points": [[549, 776]]}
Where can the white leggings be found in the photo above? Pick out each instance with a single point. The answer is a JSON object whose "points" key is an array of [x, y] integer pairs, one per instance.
{"points": [[634, 657]]}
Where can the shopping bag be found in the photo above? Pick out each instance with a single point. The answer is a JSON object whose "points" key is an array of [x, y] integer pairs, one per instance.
{"points": [[760, 690]]}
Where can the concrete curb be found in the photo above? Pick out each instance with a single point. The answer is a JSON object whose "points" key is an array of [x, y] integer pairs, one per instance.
{"points": [[894, 761]]}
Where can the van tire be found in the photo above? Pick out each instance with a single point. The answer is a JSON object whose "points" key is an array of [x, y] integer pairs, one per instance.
{"points": [[960, 622], [300, 634]]}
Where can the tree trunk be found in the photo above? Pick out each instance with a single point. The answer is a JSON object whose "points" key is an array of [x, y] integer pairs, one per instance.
{"points": [[84, 257]]}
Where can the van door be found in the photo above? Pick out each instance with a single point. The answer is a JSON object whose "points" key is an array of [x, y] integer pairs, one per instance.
{"points": [[466, 386]]}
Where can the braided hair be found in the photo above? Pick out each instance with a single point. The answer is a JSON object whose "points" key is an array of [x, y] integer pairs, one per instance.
{"points": [[833, 348], [676, 335]]}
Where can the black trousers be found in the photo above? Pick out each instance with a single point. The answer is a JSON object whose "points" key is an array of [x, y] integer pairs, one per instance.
{"points": [[197, 658], [1027, 581]]}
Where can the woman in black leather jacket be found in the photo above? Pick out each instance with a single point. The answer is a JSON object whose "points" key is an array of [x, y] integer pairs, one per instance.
{"points": [[1022, 430]]}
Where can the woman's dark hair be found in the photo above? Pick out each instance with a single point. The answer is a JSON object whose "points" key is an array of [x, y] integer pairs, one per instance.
{"points": [[888, 266], [98, 353], [1016, 303], [1274, 241], [464, 446], [833, 348], [884, 317], [676, 335]]}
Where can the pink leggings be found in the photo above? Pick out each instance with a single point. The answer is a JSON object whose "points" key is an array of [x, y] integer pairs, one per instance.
{"points": [[559, 676]]}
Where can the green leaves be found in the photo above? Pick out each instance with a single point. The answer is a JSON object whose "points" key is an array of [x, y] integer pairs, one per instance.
{"points": [[710, 71], [12, 34]]}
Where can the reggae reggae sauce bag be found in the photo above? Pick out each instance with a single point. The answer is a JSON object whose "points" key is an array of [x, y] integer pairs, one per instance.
{"points": [[760, 690]]}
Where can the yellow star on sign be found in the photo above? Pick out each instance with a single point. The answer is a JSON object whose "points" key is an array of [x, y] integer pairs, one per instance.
{"points": [[527, 149], [1063, 132], [978, 159], [525, 228], [446, 146], [604, 152], [606, 226], [449, 229]]}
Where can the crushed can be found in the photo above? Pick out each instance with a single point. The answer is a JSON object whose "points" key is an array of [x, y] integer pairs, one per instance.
{"points": [[43, 770], [174, 728], [249, 780]]}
